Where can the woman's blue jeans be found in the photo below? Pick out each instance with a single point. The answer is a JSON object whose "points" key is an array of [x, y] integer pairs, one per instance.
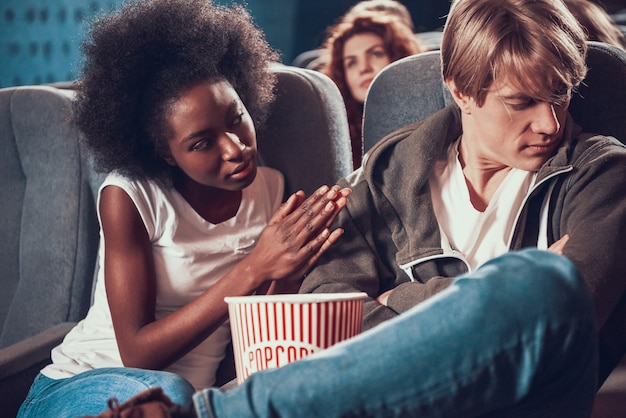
{"points": [[516, 338], [87, 393]]}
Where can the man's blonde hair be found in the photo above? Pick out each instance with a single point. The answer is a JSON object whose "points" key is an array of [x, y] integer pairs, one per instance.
{"points": [[537, 45]]}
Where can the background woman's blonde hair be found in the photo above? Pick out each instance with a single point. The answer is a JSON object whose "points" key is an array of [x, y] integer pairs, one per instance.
{"points": [[597, 22], [537, 45], [391, 7]]}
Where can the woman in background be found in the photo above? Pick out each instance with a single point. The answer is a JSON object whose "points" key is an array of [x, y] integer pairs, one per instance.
{"points": [[359, 47]]}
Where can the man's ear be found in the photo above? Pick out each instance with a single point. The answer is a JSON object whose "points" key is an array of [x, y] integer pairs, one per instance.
{"points": [[460, 99]]}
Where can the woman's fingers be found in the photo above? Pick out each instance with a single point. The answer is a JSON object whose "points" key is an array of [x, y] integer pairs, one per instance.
{"points": [[287, 207], [340, 203], [299, 232], [317, 200], [316, 247], [320, 209]]}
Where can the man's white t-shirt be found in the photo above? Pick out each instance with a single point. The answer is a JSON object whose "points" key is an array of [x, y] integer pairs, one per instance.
{"points": [[190, 255], [479, 236]]}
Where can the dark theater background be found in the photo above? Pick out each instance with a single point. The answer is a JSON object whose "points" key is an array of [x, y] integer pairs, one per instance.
{"points": [[39, 39]]}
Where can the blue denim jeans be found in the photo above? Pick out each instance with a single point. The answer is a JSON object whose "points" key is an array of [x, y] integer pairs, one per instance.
{"points": [[87, 393], [516, 338]]}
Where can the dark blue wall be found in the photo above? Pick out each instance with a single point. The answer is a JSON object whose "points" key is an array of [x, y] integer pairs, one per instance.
{"points": [[294, 26], [39, 39]]}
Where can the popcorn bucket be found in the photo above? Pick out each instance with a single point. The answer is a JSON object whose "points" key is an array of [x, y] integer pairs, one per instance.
{"points": [[270, 331]]}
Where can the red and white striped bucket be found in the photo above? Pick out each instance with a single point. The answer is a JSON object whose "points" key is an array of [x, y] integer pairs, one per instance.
{"points": [[272, 330]]}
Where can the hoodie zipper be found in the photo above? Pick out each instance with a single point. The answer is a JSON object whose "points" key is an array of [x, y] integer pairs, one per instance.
{"points": [[544, 206]]}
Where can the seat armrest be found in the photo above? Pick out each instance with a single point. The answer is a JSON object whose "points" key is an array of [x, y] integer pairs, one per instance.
{"points": [[19, 356], [20, 363]]}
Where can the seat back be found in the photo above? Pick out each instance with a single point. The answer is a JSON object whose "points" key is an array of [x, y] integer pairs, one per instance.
{"points": [[306, 136], [600, 106], [405, 91], [47, 214], [412, 89]]}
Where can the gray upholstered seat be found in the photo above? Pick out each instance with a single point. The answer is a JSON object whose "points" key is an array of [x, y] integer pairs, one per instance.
{"points": [[306, 136], [48, 228], [48, 222], [405, 91]]}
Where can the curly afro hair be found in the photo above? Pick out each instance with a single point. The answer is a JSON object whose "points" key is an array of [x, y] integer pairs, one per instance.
{"points": [[140, 59]]}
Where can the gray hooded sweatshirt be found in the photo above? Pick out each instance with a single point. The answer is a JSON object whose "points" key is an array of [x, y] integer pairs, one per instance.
{"points": [[392, 239]]}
